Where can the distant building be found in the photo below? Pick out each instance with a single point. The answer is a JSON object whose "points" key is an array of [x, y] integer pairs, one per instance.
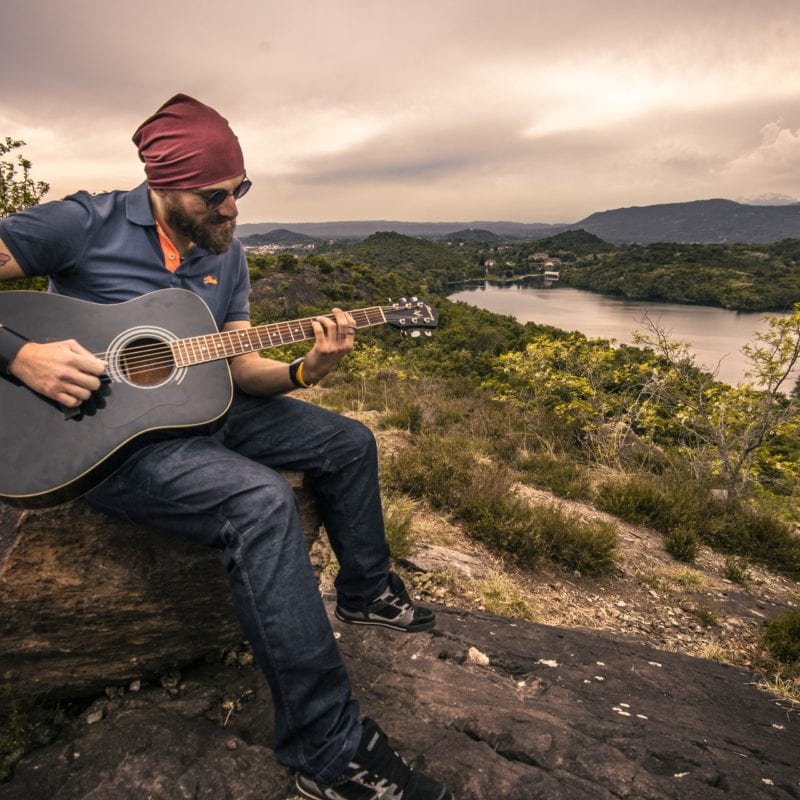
{"points": [[538, 257], [551, 275]]}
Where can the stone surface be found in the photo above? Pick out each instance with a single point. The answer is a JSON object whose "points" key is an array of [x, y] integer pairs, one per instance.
{"points": [[563, 714], [87, 600]]}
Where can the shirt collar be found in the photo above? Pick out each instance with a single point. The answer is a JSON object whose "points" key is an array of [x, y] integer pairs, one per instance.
{"points": [[137, 206]]}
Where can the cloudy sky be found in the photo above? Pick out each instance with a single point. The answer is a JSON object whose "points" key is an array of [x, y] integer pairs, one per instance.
{"points": [[425, 110]]}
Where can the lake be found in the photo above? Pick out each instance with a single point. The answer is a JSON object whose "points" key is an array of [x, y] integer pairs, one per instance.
{"points": [[715, 335]]}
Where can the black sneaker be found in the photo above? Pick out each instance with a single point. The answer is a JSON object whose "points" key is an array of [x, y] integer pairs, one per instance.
{"points": [[376, 773], [393, 609]]}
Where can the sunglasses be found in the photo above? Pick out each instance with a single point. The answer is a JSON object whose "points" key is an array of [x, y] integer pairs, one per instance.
{"points": [[214, 198]]}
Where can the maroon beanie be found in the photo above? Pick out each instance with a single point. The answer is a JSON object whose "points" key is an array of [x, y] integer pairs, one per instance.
{"points": [[186, 144]]}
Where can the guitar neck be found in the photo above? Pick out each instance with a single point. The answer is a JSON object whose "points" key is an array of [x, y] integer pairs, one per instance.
{"points": [[227, 344]]}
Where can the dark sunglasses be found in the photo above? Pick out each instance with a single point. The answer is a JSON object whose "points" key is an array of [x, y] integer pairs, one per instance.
{"points": [[214, 198]]}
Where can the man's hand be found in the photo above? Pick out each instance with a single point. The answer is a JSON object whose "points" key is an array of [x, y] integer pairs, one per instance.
{"points": [[63, 371], [333, 339]]}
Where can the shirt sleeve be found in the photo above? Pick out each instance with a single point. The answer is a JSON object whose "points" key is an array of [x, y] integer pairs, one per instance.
{"points": [[48, 239]]}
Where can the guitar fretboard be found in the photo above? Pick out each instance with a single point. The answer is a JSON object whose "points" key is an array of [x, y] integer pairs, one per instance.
{"points": [[226, 344]]}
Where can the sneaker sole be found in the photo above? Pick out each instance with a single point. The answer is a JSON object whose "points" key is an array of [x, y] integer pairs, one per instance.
{"points": [[419, 628]]}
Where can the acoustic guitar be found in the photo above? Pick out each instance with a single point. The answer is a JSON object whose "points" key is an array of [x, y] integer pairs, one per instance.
{"points": [[167, 372]]}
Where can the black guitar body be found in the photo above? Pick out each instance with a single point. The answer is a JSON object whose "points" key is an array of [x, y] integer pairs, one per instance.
{"points": [[49, 454]]}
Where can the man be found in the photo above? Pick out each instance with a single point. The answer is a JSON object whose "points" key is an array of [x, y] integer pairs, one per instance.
{"points": [[221, 489]]}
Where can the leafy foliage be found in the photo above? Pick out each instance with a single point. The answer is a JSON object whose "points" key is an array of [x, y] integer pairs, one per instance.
{"points": [[742, 277], [782, 638], [17, 189], [542, 405]]}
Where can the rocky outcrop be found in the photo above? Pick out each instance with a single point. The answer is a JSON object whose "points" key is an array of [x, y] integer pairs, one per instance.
{"points": [[499, 709], [87, 600]]}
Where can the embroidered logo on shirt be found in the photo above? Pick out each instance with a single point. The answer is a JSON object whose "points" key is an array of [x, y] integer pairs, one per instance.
{"points": [[210, 280]]}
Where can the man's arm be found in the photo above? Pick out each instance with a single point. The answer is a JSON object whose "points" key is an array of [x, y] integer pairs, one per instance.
{"points": [[333, 339], [9, 269], [63, 371]]}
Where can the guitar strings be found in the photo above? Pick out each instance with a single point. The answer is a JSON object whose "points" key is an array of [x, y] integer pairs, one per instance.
{"points": [[144, 358]]}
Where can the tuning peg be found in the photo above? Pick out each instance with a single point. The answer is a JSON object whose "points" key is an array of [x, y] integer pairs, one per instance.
{"points": [[428, 333], [414, 299], [414, 333]]}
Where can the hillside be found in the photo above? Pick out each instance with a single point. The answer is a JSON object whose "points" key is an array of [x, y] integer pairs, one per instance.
{"points": [[410, 256], [699, 221], [473, 235], [278, 236]]}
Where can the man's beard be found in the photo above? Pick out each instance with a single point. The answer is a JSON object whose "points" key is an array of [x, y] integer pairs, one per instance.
{"points": [[209, 235]]}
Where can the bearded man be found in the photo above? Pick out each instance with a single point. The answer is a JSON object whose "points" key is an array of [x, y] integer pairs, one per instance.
{"points": [[221, 489]]}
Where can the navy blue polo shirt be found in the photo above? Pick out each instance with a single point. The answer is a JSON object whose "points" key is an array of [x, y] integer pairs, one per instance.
{"points": [[105, 248]]}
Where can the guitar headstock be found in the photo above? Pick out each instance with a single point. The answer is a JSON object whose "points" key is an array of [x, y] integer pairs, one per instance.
{"points": [[411, 316]]}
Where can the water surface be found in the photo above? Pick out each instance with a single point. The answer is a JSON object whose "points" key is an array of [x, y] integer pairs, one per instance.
{"points": [[715, 335]]}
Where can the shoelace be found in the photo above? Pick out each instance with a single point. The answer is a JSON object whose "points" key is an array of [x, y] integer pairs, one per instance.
{"points": [[386, 771]]}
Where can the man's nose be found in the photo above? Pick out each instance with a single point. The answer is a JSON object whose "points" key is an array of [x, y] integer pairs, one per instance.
{"points": [[228, 207]]}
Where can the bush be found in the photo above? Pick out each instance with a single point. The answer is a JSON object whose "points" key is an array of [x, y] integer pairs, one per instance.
{"points": [[437, 469], [407, 416], [742, 530], [510, 525], [452, 474], [638, 499], [736, 570], [589, 547], [782, 638], [561, 473], [681, 543]]}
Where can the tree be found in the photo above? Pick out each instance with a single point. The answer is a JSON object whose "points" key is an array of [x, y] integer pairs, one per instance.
{"points": [[729, 425], [17, 189]]}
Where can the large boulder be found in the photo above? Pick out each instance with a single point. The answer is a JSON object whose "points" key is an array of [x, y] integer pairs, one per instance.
{"points": [[87, 600], [498, 709]]}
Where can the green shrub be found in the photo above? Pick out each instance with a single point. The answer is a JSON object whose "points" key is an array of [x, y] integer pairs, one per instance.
{"points": [[705, 616], [406, 416], [589, 547], [735, 569], [638, 499], [742, 530], [506, 524], [782, 638], [529, 533], [561, 473], [437, 469], [682, 544]]}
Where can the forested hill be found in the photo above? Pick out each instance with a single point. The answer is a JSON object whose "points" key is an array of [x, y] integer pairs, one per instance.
{"points": [[699, 221], [407, 256]]}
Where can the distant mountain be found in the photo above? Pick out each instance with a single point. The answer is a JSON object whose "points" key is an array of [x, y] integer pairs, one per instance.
{"points": [[703, 221], [278, 236], [360, 229]]}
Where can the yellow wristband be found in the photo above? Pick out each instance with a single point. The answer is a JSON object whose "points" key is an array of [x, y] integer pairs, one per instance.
{"points": [[299, 376], [296, 374]]}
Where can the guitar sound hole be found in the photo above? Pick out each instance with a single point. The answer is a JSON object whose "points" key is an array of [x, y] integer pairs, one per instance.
{"points": [[147, 362]]}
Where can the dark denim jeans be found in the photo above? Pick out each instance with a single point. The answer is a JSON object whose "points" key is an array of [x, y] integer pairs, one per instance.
{"points": [[222, 491]]}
